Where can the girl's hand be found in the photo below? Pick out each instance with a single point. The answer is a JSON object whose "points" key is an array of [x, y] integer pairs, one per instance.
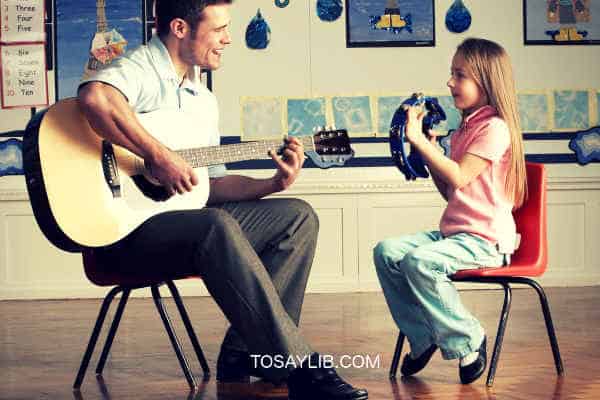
{"points": [[414, 124], [433, 136]]}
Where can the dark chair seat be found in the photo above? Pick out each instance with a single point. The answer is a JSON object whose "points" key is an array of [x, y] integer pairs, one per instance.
{"points": [[125, 283]]}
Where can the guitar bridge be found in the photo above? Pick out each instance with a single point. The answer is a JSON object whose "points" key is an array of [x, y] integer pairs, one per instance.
{"points": [[109, 167]]}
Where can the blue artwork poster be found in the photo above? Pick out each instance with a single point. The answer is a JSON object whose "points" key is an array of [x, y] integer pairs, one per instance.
{"points": [[561, 22], [571, 109], [305, 115], [78, 22], [371, 23], [353, 114], [11, 157]]}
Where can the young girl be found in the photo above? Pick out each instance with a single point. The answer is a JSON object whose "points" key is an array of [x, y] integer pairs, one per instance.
{"points": [[483, 180]]}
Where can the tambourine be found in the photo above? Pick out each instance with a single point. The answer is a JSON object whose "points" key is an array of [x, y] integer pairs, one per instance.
{"points": [[412, 165]]}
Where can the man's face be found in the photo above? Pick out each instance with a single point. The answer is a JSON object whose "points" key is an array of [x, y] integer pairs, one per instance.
{"points": [[204, 47]]}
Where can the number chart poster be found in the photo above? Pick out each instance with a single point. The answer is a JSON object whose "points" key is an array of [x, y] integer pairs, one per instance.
{"points": [[92, 33]]}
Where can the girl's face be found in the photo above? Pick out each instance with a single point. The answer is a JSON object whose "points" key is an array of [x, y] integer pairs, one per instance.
{"points": [[467, 94]]}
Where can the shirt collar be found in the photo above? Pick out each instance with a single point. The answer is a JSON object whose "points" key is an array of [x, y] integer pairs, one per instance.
{"points": [[483, 112], [166, 70]]}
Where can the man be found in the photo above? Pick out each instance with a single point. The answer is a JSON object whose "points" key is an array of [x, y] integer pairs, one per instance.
{"points": [[254, 256]]}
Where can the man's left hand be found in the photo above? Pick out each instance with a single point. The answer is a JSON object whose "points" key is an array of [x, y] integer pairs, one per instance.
{"points": [[289, 164]]}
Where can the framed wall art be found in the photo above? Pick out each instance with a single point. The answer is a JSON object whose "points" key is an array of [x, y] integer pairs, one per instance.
{"points": [[390, 23], [561, 22]]}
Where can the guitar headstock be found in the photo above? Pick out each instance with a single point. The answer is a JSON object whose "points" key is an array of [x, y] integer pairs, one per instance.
{"points": [[332, 147]]}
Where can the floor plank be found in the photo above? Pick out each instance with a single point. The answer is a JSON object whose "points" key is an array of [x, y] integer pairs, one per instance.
{"points": [[41, 343]]}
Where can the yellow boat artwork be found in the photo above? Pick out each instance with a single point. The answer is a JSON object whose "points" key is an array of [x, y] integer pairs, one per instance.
{"points": [[391, 19]]}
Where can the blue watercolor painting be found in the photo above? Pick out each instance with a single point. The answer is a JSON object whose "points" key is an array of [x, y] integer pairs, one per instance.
{"points": [[353, 114], [304, 115], [453, 115], [386, 107], [75, 29], [261, 118], [329, 10], [534, 112], [11, 157], [458, 17], [586, 145], [258, 32], [571, 109]]}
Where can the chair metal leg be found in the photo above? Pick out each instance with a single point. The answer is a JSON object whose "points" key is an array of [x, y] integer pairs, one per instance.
{"points": [[113, 330], [173, 337], [500, 334], [549, 325], [190, 329], [94, 337], [397, 353]]}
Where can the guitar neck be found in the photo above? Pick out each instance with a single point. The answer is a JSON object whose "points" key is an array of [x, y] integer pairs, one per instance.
{"points": [[101, 25], [213, 155]]}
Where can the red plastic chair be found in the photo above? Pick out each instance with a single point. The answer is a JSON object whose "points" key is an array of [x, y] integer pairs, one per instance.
{"points": [[529, 260], [125, 284]]}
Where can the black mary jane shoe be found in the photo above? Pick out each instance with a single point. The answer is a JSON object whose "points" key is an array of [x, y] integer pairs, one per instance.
{"points": [[470, 373], [320, 383], [411, 366]]}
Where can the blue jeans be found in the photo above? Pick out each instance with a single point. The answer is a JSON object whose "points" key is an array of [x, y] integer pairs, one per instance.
{"points": [[414, 273]]}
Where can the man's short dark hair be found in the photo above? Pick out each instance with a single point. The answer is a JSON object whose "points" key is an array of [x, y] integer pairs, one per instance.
{"points": [[191, 11]]}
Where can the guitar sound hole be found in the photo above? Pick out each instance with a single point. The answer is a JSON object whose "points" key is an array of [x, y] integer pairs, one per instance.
{"points": [[150, 190]]}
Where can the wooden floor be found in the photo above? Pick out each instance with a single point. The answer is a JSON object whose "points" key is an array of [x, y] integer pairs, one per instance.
{"points": [[41, 343]]}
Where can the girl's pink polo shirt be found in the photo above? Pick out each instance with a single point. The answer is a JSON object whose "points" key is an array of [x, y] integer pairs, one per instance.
{"points": [[482, 207]]}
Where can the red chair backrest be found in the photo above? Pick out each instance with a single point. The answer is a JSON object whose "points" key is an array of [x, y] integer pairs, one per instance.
{"points": [[532, 255]]}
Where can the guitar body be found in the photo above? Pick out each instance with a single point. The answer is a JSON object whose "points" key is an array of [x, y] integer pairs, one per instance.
{"points": [[68, 174], [86, 192]]}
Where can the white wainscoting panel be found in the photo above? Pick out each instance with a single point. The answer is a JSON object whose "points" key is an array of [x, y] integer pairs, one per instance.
{"points": [[356, 210]]}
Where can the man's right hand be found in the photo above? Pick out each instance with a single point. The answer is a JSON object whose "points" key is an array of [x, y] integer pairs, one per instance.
{"points": [[172, 172]]}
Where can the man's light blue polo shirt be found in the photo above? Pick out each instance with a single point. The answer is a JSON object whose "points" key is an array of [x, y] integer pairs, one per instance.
{"points": [[148, 80]]}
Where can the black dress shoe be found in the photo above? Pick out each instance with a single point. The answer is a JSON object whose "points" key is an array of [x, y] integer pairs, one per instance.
{"points": [[471, 372], [312, 382], [233, 366], [411, 366]]}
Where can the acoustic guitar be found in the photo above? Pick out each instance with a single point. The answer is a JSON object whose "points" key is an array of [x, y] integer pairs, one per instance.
{"points": [[87, 192]]}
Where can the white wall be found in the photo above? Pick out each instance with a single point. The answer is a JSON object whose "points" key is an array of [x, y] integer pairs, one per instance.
{"points": [[357, 206], [308, 57]]}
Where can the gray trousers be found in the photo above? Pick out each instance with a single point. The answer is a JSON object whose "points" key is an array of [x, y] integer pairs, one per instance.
{"points": [[254, 258]]}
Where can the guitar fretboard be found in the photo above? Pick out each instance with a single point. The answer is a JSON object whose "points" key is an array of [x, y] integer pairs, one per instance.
{"points": [[212, 155]]}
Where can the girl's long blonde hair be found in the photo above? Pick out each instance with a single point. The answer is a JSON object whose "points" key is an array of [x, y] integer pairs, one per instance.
{"points": [[491, 69]]}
